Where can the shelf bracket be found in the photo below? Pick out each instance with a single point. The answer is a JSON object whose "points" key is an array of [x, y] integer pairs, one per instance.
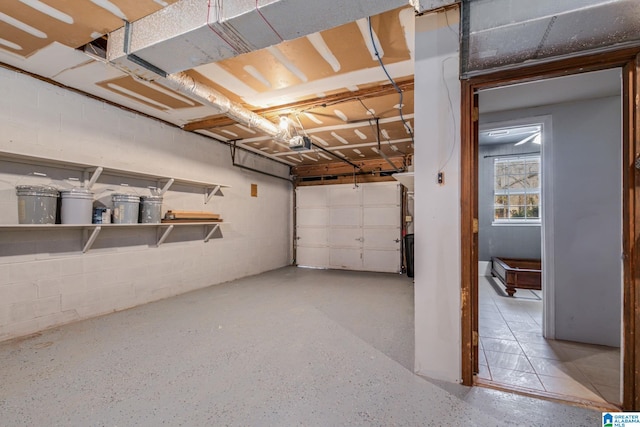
{"points": [[164, 235], [89, 239], [210, 233], [209, 194], [95, 174], [166, 186]]}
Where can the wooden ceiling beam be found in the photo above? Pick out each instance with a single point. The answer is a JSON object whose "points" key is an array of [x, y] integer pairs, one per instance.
{"points": [[338, 168], [345, 180], [371, 92]]}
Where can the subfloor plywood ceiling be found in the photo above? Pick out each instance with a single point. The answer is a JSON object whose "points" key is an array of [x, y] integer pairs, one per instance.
{"points": [[329, 85]]}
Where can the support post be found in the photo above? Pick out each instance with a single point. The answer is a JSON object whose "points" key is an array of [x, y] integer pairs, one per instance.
{"points": [[91, 238]]}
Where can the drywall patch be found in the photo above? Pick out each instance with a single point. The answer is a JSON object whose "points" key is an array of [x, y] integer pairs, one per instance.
{"points": [[48, 10], [236, 131], [323, 50], [110, 7], [383, 107], [148, 93], [10, 45], [339, 50], [277, 54], [339, 138], [34, 24]]}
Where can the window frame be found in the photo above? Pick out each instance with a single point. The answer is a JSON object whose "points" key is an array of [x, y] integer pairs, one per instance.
{"points": [[512, 158]]}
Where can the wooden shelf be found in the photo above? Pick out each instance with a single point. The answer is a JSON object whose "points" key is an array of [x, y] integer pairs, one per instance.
{"points": [[91, 231], [211, 188], [25, 227], [91, 173]]}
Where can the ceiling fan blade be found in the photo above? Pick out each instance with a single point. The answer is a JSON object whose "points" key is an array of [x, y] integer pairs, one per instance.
{"points": [[527, 139]]}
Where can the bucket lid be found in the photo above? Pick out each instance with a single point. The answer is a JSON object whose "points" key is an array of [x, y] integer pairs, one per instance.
{"points": [[36, 190], [151, 199], [76, 193], [125, 197]]}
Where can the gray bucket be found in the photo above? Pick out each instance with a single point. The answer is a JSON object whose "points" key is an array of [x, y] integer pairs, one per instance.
{"points": [[150, 209], [125, 208], [37, 204], [77, 205]]}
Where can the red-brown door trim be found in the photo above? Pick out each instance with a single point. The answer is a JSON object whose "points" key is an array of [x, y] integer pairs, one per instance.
{"points": [[627, 59]]}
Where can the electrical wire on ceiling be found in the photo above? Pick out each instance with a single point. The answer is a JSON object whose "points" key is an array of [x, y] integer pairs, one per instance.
{"points": [[369, 110], [400, 104], [217, 10], [446, 17], [327, 104], [218, 14], [336, 102], [267, 22], [375, 130], [304, 131], [317, 148]]}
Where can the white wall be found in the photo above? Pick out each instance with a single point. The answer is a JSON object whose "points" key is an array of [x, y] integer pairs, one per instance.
{"points": [[587, 213], [513, 240], [586, 181], [44, 278], [437, 207]]}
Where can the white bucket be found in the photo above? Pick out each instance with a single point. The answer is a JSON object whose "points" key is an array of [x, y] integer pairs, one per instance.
{"points": [[125, 208], [37, 204], [150, 209], [77, 206]]}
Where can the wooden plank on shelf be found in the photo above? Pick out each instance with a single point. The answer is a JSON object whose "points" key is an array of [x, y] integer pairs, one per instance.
{"points": [[174, 214], [191, 221]]}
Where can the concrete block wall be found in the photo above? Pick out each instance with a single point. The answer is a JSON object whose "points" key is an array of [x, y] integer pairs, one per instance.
{"points": [[46, 281]]}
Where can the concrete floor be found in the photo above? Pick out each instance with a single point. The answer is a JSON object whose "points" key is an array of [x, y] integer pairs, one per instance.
{"points": [[288, 347]]}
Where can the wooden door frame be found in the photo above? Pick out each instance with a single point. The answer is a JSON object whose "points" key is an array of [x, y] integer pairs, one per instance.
{"points": [[627, 59]]}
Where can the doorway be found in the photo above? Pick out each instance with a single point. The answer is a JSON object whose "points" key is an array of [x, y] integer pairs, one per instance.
{"points": [[472, 245], [582, 167]]}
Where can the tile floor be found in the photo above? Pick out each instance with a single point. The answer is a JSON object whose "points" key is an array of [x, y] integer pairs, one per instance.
{"points": [[514, 353]]}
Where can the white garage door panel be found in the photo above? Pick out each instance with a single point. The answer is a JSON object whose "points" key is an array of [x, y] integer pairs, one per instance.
{"points": [[350, 228], [382, 238], [312, 236], [381, 216], [351, 216], [386, 193], [313, 257], [384, 261], [345, 237], [344, 195], [307, 197], [346, 259], [312, 217]]}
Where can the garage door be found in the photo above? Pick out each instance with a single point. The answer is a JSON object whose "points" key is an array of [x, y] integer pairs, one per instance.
{"points": [[348, 227]]}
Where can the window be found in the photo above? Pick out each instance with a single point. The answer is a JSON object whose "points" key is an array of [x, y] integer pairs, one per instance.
{"points": [[516, 196]]}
